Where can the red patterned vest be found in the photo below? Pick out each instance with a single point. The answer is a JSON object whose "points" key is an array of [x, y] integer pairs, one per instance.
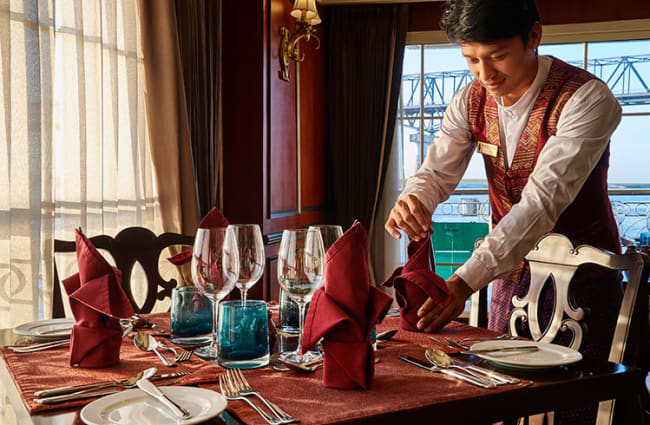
{"points": [[589, 218]]}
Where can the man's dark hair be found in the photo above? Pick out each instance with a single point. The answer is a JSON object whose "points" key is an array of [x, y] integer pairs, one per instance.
{"points": [[486, 21]]}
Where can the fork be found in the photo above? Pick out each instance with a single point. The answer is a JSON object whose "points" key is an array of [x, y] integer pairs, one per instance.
{"points": [[183, 356], [39, 347], [231, 394], [239, 383]]}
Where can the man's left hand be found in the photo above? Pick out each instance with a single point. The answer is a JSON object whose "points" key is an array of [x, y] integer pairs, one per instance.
{"points": [[433, 316]]}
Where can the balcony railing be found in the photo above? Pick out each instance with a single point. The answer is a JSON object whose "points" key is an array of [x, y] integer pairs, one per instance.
{"points": [[631, 210]]}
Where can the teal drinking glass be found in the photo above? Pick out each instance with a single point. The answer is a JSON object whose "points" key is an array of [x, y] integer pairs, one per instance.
{"points": [[243, 334], [191, 315]]}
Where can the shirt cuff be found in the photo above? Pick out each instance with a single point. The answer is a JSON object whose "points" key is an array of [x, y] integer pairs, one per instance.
{"points": [[475, 274], [421, 194]]}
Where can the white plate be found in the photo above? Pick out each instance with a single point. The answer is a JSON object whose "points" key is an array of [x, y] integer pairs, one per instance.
{"points": [[134, 407], [548, 355], [46, 329]]}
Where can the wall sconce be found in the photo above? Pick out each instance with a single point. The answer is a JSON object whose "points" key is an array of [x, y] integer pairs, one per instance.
{"points": [[306, 16]]}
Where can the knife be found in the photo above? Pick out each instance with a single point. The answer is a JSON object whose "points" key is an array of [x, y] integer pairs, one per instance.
{"points": [[453, 373], [502, 377], [524, 348], [97, 385], [145, 385]]}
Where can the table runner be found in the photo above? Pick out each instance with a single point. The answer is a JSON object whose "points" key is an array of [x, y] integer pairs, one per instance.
{"points": [[51, 369], [397, 386]]}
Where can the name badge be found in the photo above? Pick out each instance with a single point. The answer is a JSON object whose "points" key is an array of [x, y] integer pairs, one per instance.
{"points": [[487, 149]]}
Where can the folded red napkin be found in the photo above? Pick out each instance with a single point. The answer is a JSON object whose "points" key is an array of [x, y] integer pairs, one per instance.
{"points": [[212, 219], [344, 311], [415, 282], [97, 302]]}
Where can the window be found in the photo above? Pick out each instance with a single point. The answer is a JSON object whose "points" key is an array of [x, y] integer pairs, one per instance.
{"points": [[433, 72]]}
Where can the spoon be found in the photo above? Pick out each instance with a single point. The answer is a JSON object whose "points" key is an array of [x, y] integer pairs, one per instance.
{"points": [[147, 342], [499, 378], [443, 361], [302, 368], [386, 335]]}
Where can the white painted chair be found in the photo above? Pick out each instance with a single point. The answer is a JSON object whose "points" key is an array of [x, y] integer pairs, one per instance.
{"points": [[554, 257]]}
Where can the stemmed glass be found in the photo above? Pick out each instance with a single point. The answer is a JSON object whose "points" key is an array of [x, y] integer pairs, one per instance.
{"points": [[251, 256], [329, 232], [215, 269], [301, 269]]}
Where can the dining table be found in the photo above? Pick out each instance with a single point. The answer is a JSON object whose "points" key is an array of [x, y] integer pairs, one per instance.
{"points": [[398, 393]]}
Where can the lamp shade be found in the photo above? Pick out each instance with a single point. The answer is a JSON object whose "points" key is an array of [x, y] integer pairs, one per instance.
{"points": [[308, 7], [315, 20]]}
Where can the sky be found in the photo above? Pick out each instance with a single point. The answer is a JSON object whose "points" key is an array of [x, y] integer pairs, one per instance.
{"points": [[630, 143]]}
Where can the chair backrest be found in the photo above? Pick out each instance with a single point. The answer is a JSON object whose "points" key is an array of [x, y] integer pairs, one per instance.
{"points": [[131, 245], [554, 257]]}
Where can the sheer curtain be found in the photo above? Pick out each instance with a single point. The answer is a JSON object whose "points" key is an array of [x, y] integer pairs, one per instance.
{"points": [[73, 136]]}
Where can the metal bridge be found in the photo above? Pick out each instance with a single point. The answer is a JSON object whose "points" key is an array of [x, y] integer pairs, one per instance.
{"points": [[619, 73]]}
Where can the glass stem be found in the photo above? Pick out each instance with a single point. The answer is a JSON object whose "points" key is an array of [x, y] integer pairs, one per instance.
{"points": [[301, 322], [215, 312], [243, 296]]}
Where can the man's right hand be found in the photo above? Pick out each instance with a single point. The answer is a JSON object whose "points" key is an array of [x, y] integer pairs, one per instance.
{"points": [[409, 215]]}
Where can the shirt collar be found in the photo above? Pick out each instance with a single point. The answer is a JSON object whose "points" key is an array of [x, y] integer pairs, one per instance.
{"points": [[525, 101]]}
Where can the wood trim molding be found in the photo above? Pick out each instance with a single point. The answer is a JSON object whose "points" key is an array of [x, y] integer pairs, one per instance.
{"points": [[631, 29]]}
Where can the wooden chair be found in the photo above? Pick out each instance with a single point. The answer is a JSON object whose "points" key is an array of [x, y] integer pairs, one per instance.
{"points": [[555, 258], [128, 246]]}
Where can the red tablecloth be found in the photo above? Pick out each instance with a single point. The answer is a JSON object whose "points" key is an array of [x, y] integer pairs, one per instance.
{"points": [[51, 369], [396, 385]]}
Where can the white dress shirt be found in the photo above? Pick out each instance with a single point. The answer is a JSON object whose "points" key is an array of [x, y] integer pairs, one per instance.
{"points": [[584, 128]]}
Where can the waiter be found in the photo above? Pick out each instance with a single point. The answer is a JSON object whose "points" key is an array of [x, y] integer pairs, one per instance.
{"points": [[543, 129]]}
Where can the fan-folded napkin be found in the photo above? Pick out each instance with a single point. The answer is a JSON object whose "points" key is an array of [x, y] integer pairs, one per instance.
{"points": [[97, 302], [344, 311]]}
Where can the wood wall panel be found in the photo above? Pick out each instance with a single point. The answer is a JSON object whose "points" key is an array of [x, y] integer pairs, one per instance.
{"points": [[261, 171], [283, 160], [426, 16]]}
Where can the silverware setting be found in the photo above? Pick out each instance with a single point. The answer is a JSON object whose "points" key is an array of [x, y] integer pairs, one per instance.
{"points": [[238, 383], [31, 348], [146, 342], [386, 335], [125, 383], [453, 373], [230, 394], [137, 321], [443, 361], [455, 345], [498, 378], [308, 367], [523, 348]]}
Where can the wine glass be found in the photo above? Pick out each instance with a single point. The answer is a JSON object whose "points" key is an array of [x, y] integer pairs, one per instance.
{"points": [[251, 256], [329, 232], [288, 308], [301, 269], [215, 269]]}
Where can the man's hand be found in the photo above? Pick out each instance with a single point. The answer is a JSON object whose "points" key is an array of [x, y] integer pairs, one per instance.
{"points": [[410, 215], [433, 316]]}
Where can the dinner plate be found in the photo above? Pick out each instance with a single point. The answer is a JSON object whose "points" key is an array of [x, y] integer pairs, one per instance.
{"points": [[548, 355], [134, 407], [46, 329]]}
